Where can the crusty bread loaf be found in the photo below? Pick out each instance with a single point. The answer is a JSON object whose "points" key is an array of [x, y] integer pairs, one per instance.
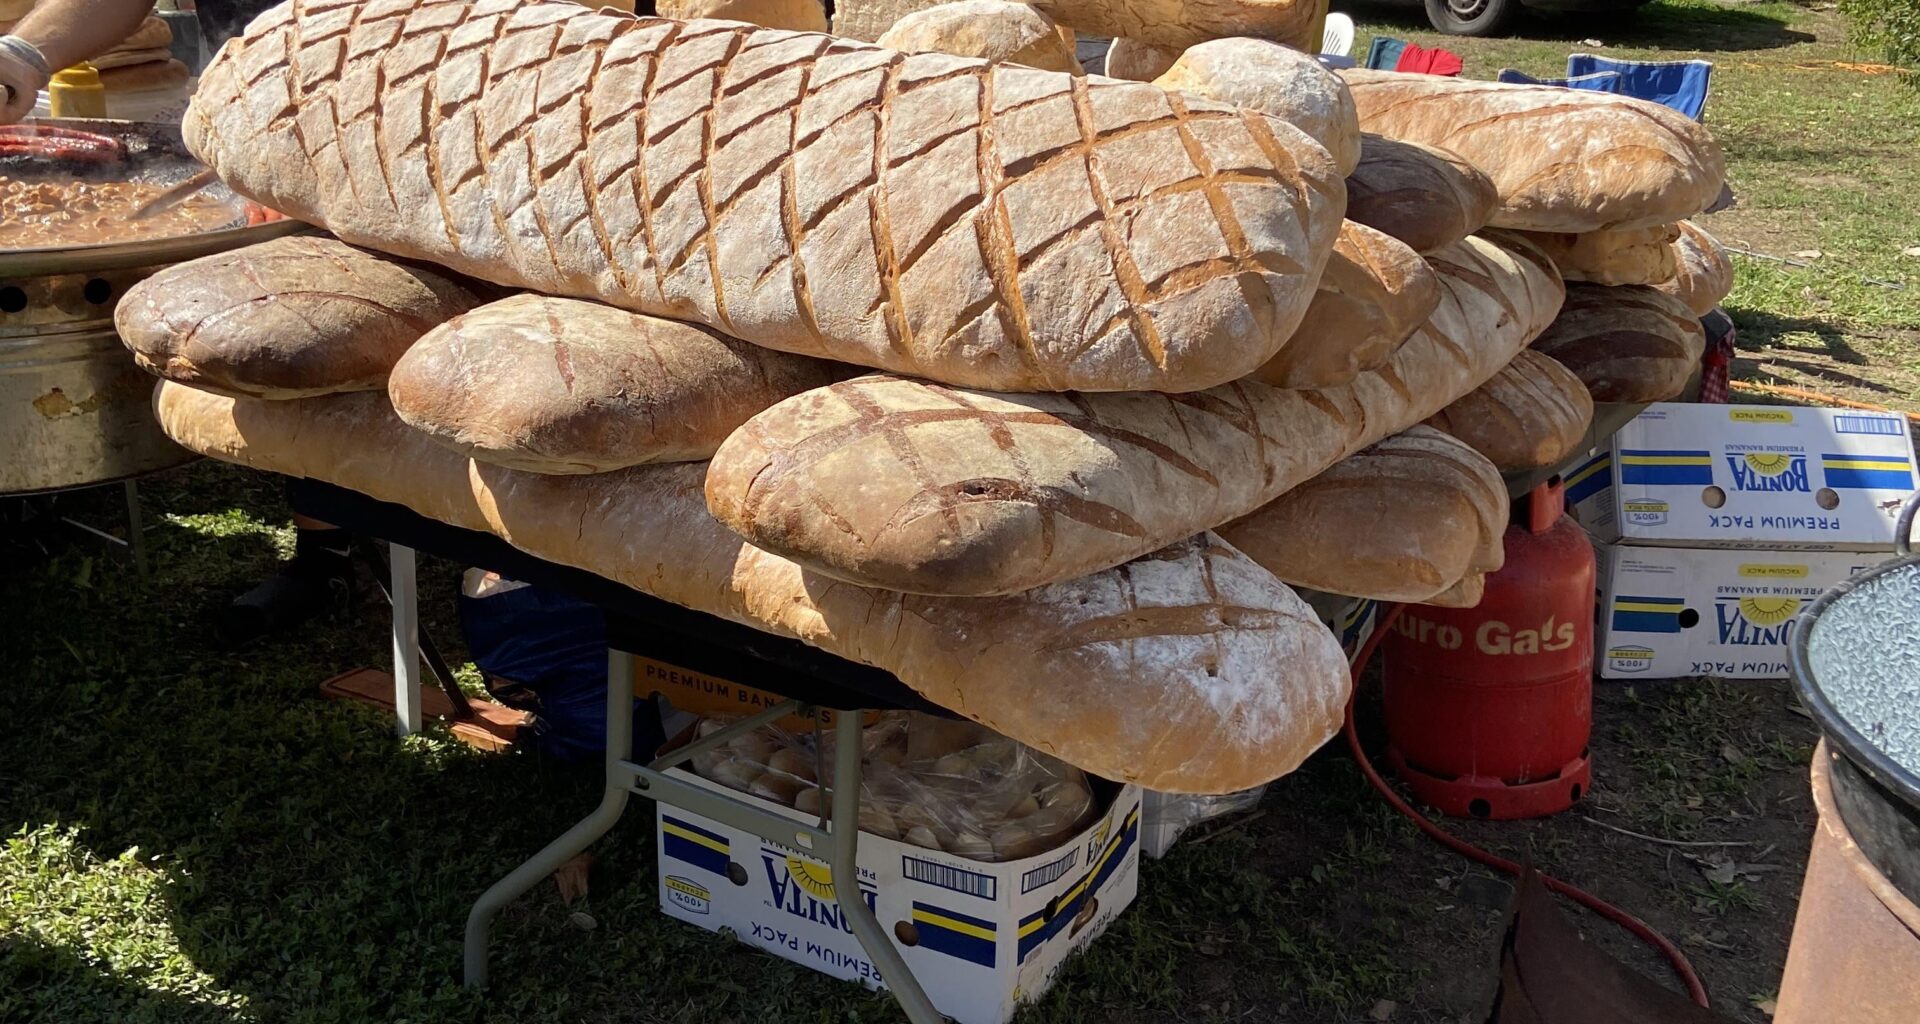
{"points": [[715, 172], [1627, 344], [796, 15], [113, 59], [1533, 413], [997, 30], [1562, 159], [868, 20], [918, 487], [1190, 670], [163, 74], [1273, 79], [1178, 24], [1135, 61], [1425, 196], [567, 386], [153, 33], [1703, 273], [1374, 294], [1629, 256], [1464, 594], [306, 315], [1404, 520]]}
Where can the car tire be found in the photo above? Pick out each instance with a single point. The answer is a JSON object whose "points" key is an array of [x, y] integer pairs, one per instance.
{"points": [[1473, 17]]}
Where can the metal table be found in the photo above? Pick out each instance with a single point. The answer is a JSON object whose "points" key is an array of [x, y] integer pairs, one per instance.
{"points": [[808, 677]]}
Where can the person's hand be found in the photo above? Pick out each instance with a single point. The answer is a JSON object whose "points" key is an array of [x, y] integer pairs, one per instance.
{"points": [[20, 85]]}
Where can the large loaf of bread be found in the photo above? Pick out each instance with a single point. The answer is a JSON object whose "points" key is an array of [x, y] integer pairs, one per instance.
{"points": [[1703, 273], [980, 224], [1629, 256], [1179, 24], [296, 316], [1425, 196], [1374, 294], [1190, 670], [1277, 80], [1404, 520], [1134, 61], [1533, 413], [1630, 344], [918, 487], [996, 30], [568, 386], [1562, 159]]}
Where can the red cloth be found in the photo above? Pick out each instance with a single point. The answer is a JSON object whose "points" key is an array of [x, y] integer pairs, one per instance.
{"points": [[1718, 357], [1420, 60]]}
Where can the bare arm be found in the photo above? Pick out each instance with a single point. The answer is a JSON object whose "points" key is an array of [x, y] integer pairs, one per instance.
{"points": [[70, 31]]}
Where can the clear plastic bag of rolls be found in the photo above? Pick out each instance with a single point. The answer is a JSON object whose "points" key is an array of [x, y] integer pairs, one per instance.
{"points": [[936, 783]]}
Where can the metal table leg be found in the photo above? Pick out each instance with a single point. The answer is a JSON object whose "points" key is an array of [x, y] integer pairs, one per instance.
{"points": [[900, 981], [136, 533], [613, 801], [405, 598]]}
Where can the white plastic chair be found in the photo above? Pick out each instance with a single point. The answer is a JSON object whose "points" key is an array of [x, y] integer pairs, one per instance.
{"points": [[1338, 40]]}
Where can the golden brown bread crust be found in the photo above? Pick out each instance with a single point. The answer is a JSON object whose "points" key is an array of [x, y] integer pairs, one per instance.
{"points": [[793, 15], [152, 75], [1561, 159], [923, 488], [1374, 294], [552, 385], [1404, 520], [1464, 594], [1425, 196], [1632, 256], [997, 30], [1179, 24], [1704, 274], [1134, 61], [1261, 75], [1533, 413], [1190, 670], [1627, 344], [988, 225], [300, 316]]}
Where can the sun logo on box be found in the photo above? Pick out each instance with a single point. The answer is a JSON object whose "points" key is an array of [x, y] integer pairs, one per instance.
{"points": [[816, 879], [1768, 611]]}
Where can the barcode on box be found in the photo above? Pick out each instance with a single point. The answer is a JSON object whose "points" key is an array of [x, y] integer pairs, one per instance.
{"points": [[1046, 874], [1885, 425], [972, 883]]}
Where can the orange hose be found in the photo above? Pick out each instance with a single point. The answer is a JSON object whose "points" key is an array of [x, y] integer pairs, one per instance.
{"points": [[1639, 928], [1801, 394]]}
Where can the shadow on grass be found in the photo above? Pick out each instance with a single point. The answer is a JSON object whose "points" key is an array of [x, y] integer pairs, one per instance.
{"points": [[1694, 26], [48, 983]]}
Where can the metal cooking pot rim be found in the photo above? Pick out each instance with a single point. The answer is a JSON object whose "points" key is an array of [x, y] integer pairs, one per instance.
{"points": [[1838, 730]]}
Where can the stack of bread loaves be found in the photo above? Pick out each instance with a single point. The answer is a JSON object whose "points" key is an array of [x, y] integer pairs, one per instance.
{"points": [[1031, 388]]}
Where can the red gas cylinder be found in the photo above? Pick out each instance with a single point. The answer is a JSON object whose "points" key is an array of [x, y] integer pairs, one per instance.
{"points": [[1488, 709]]}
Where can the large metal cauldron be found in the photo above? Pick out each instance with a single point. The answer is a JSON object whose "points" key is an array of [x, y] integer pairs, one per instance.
{"points": [[1855, 659], [74, 410]]}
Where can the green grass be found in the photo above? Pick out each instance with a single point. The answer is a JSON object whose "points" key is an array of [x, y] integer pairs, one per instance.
{"points": [[191, 835]]}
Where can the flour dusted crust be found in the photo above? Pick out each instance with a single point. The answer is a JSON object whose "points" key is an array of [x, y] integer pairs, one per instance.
{"points": [[1703, 273], [1190, 670], [293, 317], [1404, 520], [1631, 256], [1533, 413], [1374, 294], [1563, 160], [796, 15], [1277, 80], [1627, 344], [552, 385], [1135, 61], [1178, 24], [1425, 196], [867, 20], [996, 30], [919, 487], [1465, 594], [800, 192]]}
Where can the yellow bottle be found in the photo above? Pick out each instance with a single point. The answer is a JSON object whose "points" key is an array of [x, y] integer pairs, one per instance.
{"points": [[77, 92]]}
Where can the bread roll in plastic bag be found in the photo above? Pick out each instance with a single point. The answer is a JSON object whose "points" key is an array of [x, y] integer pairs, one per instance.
{"points": [[938, 783]]}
